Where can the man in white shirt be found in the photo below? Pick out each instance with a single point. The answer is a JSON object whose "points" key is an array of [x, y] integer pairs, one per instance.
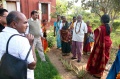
{"points": [[18, 45], [79, 35], [35, 29]]}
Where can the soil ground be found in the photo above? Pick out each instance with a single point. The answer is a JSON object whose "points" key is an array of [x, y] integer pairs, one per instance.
{"points": [[55, 55]]}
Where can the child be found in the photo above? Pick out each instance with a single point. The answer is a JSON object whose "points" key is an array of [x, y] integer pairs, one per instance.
{"points": [[44, 29]]}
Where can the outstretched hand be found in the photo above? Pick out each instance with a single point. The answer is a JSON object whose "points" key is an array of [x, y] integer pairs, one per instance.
{"points": [[30, 37]]}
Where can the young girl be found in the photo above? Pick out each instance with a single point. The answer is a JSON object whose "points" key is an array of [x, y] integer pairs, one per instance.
{"points": [[44, 29]]}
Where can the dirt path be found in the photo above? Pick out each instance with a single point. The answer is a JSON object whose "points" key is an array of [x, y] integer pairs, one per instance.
{"points": [[54, 56]]}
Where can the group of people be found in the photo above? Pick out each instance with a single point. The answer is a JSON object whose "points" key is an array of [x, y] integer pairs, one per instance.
{"points": [[78, 38], [16, 23], [70, 36]]}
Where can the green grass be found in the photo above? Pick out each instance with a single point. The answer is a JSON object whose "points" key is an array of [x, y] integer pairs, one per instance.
{"points": [[45, 70], [115, 44], [115, 36]]}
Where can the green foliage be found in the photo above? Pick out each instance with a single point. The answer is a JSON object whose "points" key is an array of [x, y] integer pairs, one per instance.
{"points": [[116, 25], [66, 64], [45, 70], [77, 10], [113, 52], [50, 38], [115, 43], [95, 23], [81, 73], [100, 7], [62, 7], [115, 38]]}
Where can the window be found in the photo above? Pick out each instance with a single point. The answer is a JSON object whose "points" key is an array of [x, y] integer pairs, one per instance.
{"points": [[11, 6], [44, 8]]}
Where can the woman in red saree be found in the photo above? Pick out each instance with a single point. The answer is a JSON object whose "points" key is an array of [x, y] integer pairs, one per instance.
{"points": [[87, 44], [100, 53], [65, 37]]}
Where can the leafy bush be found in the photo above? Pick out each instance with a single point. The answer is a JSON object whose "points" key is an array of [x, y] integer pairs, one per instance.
{"points": [[115, 43], [116, 25], [95, 23], [66, 64], [82, 74], [50, 38], [115, 39]]}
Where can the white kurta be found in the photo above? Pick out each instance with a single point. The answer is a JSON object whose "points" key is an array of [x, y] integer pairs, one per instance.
{"points": [[79, 35]]}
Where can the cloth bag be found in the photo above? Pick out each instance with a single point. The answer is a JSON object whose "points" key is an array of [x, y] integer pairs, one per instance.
{"points": [[12, 67]]}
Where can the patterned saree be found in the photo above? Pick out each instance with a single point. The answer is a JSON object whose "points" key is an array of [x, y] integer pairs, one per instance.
{"points": [[65, 37], [100, 53]]}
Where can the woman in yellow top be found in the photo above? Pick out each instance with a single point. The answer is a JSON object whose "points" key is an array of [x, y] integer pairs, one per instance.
{"points": [[72, 26], [72, 23]]}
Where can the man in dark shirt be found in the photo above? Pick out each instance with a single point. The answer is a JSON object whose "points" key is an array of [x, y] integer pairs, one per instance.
{"points": [[3, 15]]}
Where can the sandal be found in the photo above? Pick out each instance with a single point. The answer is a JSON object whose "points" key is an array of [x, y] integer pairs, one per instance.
{"points": [[73, 58], [97, 77]]}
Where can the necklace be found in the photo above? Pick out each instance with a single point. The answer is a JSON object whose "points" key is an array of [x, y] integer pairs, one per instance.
{"points": [[79, 28]]}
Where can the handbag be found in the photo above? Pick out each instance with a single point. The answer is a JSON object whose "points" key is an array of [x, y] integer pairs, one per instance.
{"points": [[12, 67]]}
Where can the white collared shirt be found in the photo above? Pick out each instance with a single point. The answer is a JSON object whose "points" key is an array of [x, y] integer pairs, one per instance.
{"points": [[18, 46], [79, 35]]}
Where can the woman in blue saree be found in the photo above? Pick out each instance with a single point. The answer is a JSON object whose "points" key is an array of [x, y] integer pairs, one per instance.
{"points": [[115, 69], [57, 31]]}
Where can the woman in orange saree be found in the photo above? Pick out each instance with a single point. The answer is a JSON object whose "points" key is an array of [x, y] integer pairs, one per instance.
{"points": [[44, 29], [100, 53]]}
